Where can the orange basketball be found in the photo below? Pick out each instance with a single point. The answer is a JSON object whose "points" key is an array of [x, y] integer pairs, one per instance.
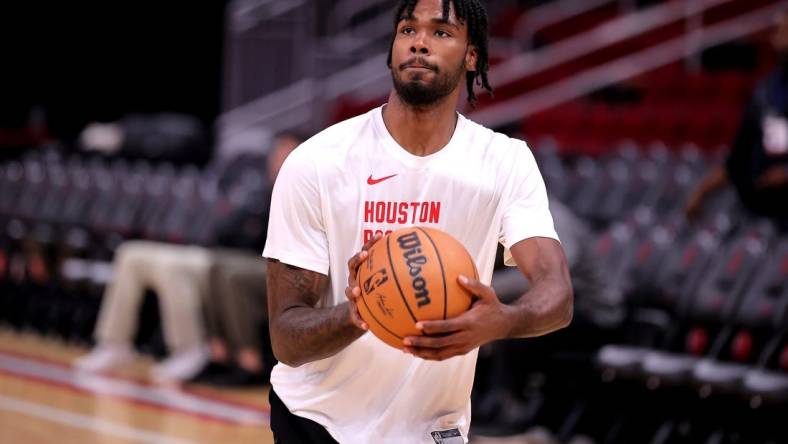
{"points": [[411, 275]]}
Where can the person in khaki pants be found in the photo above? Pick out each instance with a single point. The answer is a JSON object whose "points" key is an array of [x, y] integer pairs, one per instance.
{"points": [[178, 275], [228, 282], [236, 314]]}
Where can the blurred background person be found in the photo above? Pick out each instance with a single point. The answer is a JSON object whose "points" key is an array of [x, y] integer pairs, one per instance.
{"points": [[235, 303], [757, 164], [228, 285]]}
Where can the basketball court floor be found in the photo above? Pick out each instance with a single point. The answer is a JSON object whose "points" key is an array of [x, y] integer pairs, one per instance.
{"points": [[43, 400]]}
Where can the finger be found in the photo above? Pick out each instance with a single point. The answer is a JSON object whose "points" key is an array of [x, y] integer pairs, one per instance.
{"points": [[442, 326], [359, 322], [434, 354], [433, 341], [475, 287], [371, 242], [357, 258], [353, 263], [355, 315], [352, 292]]}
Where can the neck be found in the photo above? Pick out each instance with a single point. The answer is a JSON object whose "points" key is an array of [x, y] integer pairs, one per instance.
{"points": [[421, 131]]}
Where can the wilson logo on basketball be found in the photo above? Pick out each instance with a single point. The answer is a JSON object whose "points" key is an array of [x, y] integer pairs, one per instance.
{"points": [[415, 260]]}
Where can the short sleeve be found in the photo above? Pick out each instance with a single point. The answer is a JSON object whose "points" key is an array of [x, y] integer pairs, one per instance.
{"points": [[296, 232], [526, 211]]}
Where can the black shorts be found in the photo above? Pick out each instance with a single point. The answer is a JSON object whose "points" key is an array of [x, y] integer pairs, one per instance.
{"points": [[291, 429]]}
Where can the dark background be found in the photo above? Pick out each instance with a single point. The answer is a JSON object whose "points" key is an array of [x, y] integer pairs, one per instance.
{"points": [[82, 62]]}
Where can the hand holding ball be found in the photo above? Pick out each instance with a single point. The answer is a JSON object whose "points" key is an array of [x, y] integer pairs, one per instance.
{"points": [[410, 275]]}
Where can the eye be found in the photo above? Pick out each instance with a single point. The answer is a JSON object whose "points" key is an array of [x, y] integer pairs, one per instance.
{"points": [[442, 33], [406, 30]]}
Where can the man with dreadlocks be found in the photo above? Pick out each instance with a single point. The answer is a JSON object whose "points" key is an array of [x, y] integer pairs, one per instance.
{"points": [[413, 161]]}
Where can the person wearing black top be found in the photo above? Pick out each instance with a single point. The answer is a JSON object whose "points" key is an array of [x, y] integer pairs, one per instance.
{"points": [[757, 165]]}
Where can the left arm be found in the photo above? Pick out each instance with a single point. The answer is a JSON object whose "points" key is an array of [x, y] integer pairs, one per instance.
{"points": [[546, 307]]}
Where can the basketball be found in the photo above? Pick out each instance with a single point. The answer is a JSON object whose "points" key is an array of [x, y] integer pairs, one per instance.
{"points": [[411, 275]]}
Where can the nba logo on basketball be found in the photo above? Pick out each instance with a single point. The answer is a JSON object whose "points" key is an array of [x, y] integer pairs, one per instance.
{"points": [[376, 280]]}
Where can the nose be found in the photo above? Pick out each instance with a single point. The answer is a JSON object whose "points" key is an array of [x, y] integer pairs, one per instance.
{"points": [[420, 45]]}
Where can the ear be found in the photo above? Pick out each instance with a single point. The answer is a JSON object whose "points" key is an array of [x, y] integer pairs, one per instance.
{"points": [[471, 55]]}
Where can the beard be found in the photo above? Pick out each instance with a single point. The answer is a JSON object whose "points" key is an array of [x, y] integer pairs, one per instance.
{"points": [[419, 93]]}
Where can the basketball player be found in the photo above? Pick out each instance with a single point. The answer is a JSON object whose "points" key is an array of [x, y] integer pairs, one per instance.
{"points": [[413, 161]]}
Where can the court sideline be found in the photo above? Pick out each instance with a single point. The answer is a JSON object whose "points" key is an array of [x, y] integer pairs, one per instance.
{"points": [[43, 400]]}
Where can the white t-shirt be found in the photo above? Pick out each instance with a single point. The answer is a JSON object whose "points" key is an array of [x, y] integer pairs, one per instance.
{"points": [[335, 191]]}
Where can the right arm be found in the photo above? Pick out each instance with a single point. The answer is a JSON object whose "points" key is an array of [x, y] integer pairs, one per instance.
{"points": [[713, 181], [298, 263], [300, 332]]}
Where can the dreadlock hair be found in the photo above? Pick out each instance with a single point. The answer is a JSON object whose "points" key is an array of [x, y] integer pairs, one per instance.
{"points": [[474, 15]]}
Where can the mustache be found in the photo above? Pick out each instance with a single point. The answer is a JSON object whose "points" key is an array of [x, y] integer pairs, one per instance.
{"points": [[418, 61]]}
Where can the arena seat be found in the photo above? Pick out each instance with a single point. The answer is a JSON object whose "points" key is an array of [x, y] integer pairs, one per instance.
{"points": [[754, 327], [708, 314]]}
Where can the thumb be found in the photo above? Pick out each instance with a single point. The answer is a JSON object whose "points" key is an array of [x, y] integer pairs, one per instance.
{"points": [[476, 288]]}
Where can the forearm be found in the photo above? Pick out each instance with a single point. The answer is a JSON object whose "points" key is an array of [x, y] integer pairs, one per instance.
{"points": [[300, 331], [546, 307], [714, 180], [304, 334]]}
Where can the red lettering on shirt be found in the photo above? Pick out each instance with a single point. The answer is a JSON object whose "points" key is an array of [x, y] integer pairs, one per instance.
{"points": [[435, 212], [369, 211], [403, 213], [398, 213]]}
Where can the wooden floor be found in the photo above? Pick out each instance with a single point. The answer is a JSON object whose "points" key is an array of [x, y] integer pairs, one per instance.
{"points": [[43, 400]]}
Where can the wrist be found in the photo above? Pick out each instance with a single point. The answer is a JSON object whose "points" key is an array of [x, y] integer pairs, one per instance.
{"points": [[352, 318], [508, 321]]}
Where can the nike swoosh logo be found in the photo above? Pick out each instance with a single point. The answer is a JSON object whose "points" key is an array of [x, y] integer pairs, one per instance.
{"points": [[372, 181]]}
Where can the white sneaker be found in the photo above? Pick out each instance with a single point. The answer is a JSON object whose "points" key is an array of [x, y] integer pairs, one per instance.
{"points": [[105, 357], [182, 365]]}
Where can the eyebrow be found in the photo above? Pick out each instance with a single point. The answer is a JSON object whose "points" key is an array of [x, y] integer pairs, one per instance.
{"points": [[442, 21]]}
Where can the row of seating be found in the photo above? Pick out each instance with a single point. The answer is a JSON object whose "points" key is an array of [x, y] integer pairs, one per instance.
{"points": [[710, 313], [705, 305], [141, 200], [62, 218], [604, 189]]}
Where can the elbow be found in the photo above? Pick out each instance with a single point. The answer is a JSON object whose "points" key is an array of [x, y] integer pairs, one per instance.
{"points": [[287, 357], [284, 354], [567, 306]]}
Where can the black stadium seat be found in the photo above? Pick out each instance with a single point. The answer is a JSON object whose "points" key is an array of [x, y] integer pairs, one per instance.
{"points": [[654, 323], [765, 310], [709, 312]]}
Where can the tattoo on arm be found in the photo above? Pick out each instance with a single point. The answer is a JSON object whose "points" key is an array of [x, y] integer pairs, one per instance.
{"points": [[304, 283], [300, 331]]}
